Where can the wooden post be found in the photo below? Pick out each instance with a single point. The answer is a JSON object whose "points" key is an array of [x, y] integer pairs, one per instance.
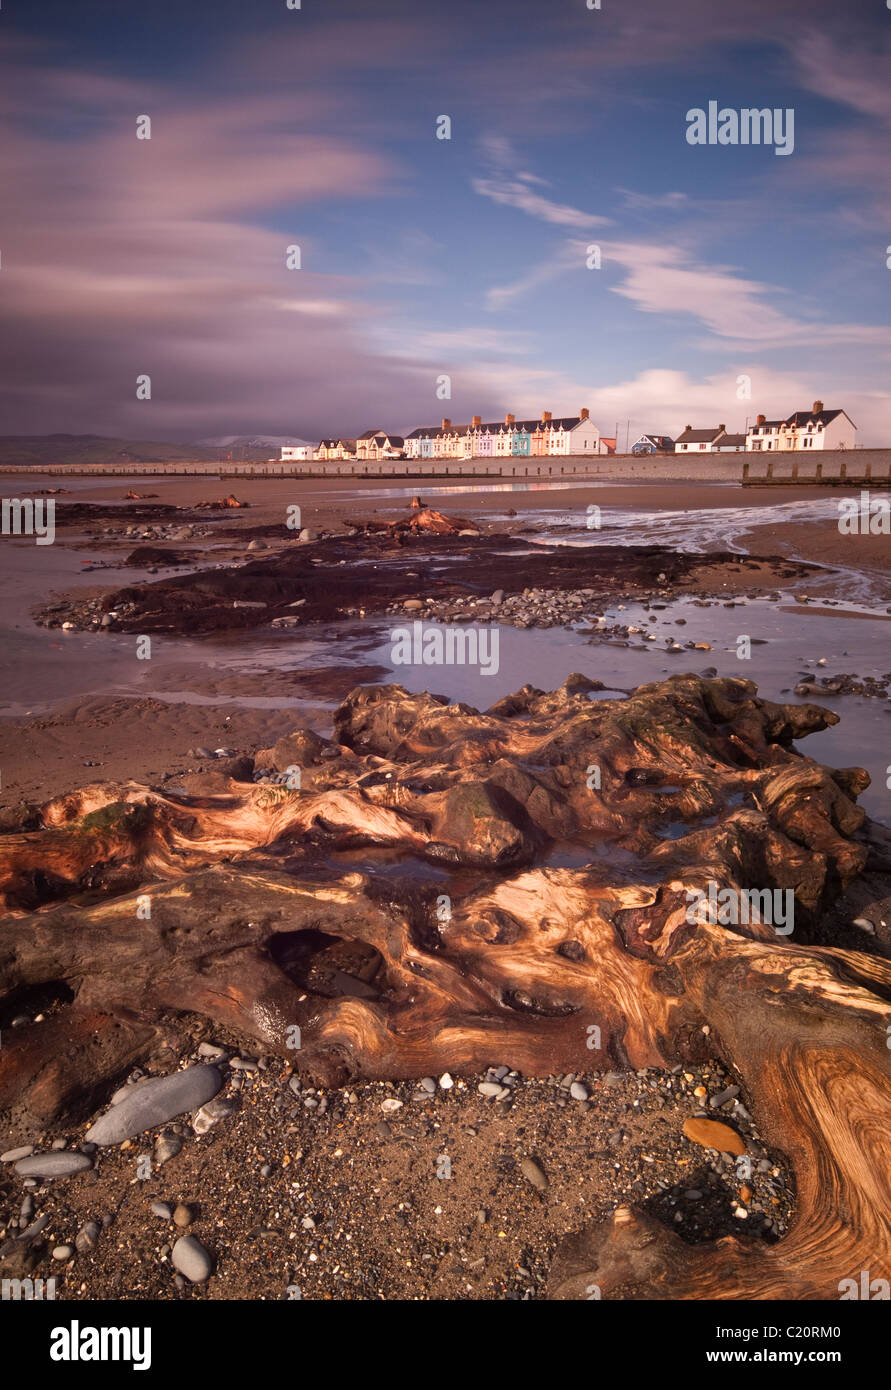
{"points": [[819, 474], [769, 470], [842, 472], [795, 470]]}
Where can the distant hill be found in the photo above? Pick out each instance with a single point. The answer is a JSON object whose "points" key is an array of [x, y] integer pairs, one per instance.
{"points": [[37, 450], [254, 441]]}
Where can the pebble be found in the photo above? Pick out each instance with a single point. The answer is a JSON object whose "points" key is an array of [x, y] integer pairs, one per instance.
{"points": [[489, 1088], [428, 1084], [63, 1252], [87, 1236], [211, 1052], [578, 1091], [205, 1118], [53, 1165], [533, 1174], [391, 1105], [722, 1097], [184, 1215], [446, 1081], [161, 1209], [13, 1155], [167, 1146], [714, 1135], [191, 1258], [155, 1102]]}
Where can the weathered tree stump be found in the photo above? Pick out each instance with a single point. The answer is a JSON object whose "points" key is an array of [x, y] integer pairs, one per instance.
{"points": [[401, 912]]}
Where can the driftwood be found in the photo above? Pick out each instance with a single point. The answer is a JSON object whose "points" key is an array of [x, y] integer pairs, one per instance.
{"points": [[446, 889]]}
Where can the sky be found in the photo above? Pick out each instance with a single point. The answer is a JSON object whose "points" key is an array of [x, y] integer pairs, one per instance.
{"points": [[732, 280]]}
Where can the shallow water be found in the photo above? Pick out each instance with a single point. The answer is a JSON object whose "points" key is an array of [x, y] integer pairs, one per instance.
{"points": [[41, 668]]}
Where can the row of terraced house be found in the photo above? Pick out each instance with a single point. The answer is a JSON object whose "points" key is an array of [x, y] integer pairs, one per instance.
{"points": [[547, 436]]}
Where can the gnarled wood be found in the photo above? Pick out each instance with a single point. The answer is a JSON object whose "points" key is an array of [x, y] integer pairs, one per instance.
{"points": [[408, 911]]}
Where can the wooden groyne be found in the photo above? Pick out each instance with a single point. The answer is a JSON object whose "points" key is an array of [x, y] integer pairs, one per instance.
{"points": [[857, 473]]}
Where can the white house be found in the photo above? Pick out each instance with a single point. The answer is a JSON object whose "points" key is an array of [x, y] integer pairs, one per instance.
{"points": [[699, 441], [297, 451], [805, 429]]}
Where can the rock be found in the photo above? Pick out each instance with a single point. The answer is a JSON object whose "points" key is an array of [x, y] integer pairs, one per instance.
{"points": [[533, 1174], [391, 1105], [211, 1052], [87, 1237], [184, 1215], [13, 1155], [497, 598], [489, 1088], [864, 924], [63, 1252], [154, 1102], [167, 1146], [714, 1134], [162, 1210], [191, 1258], [722, 1097], [413, 605], [578, 1091], [53, 1165], [428, 1085], [205, 1118], [446, 1081], [258, 545], [308, 534]]}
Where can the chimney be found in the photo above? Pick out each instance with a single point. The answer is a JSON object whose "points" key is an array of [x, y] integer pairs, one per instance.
{"points": [[509, 419], [546, 416], [447, 424], [687, 427], [583, 413], [762, 419], [476, 422], [818, 406], [722, 427]]}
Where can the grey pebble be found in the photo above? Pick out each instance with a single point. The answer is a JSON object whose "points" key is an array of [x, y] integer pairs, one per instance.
{"points": [[63, 1252], [162, 1209], [191, 1258], [722, 1097], [53, 1165], [578, 1091], [155, 1102], [12, 1155], [489, 1088]]}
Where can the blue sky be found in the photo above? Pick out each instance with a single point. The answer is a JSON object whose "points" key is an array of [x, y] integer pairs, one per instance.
{"points": [[423, 257]]}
